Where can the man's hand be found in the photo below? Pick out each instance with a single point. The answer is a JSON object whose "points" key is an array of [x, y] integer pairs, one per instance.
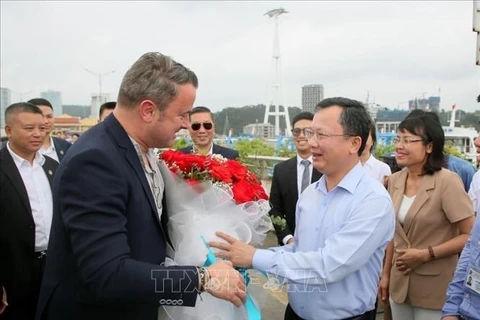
{"points": [[383, 290], [410, 259], [451, 318], [224, 282], [291, 240], [239, 253], [3, 303]]}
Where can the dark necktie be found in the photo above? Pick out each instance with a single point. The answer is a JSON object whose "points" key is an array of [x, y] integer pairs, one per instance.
{"points": [[306, 175]]}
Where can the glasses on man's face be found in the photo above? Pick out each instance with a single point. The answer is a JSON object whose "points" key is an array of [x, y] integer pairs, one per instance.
{"points": [[405, 141], [319, 135], [296, 131], [206, 125]]}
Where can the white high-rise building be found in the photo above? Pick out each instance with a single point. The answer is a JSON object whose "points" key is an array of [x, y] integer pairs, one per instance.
{"points": [[5, 101], [55, 98], [97, 101], [312, 94]]}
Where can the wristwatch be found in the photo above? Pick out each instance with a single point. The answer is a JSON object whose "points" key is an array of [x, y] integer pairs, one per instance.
{"points": [[202, 272]]}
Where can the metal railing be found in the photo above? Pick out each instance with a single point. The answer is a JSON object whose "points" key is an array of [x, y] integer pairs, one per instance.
{"points": [[263, 165]]}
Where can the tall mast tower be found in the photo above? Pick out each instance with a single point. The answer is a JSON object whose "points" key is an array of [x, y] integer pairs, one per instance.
{"points": [[275, 92]]}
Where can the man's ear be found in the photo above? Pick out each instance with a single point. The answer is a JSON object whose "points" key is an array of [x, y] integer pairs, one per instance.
{"points": [[147, 110]]}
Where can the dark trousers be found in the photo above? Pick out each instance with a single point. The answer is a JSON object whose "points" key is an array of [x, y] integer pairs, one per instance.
{"points": [[291, 315], [23, 308]]}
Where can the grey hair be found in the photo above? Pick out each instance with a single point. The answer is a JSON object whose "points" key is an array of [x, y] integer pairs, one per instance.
{"points": [[155, 77], [354, 119]]}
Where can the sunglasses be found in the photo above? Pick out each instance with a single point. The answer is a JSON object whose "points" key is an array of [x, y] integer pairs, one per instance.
{"points": [[296, 132], [196, 126]]}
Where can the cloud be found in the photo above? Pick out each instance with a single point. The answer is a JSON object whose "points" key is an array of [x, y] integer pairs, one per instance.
{"points": [[394, 50]]}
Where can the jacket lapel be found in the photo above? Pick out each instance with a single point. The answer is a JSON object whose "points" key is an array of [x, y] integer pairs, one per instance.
{"points": [[427, 184], [397, 197], [316, 175], [123, 141], [49, 168], [292, 176], [60, 152], [11, 171]]}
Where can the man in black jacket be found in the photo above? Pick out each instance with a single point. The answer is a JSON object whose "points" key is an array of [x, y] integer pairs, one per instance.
{"points": [[290, 178], [26, 210], [53, 147], [202, 131]]}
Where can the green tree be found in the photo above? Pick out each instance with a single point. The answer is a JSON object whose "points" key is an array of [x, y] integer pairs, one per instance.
{"points": [[179, 143], [382, 150]]}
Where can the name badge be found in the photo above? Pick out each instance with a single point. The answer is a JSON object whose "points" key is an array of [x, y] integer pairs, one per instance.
{"points": [[473, 280]]}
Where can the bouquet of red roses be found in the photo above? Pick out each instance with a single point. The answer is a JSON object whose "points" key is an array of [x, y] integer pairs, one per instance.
{"points": [[205, 194], [195, 168]]}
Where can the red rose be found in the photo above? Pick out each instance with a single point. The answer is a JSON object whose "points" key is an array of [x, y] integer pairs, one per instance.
{"points": [[238, 170]]}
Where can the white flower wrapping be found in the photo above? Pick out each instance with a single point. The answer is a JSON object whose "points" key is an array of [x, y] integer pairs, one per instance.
{"points": [[201, 211]]}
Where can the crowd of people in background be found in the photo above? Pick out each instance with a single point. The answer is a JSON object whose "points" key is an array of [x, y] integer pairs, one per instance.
{"points": [[78, 240]]}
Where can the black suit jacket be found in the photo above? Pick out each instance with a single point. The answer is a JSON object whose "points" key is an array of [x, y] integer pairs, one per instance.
{"points": [[61, 147], [216, 149], [17, 234], [107, 243], [284, 194]]}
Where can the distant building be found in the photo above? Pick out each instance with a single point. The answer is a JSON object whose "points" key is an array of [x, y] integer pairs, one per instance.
{"points": [[97, 101], [312, 94], [430, 104], [5, 101], [260, 130], [387, 121], [77, 111], [55, 98]]}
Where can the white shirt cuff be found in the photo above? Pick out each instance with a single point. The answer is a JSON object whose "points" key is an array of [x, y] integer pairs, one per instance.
{"points": [[286, 238], [262, 259]]}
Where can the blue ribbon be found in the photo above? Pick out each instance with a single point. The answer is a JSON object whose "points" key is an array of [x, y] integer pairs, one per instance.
{"points": [[252, 311]]}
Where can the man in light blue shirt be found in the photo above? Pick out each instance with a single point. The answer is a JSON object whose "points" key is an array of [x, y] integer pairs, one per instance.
{"points": [[344, 223], [463, 293]]}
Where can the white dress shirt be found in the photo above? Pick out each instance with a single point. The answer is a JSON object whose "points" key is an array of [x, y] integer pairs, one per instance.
{"points": [[50, 151], [39, 195], [377, 169], [474, 191]]}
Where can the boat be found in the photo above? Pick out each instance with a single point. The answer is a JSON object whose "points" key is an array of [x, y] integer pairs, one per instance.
{"points": [[461, 138]]}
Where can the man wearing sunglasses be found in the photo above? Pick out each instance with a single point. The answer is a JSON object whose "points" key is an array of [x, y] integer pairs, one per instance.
{"points": [[202, 131], [284, 193]]}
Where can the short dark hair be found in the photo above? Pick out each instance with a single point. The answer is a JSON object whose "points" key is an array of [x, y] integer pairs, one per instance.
{"points": [[430, 131], [200, 109], [106, 106], [354, 119], [40, 102], [20, 107], [373, 134], [302, 116]]}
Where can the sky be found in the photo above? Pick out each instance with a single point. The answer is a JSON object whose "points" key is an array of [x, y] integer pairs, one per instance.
{"points": [[391, 50]]}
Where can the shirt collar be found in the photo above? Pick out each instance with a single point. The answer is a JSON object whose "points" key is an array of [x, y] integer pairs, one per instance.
{"points": [[370, 161], [39, 158], [300, 159], [52, 144], [195, 150], [150, 154], [349, 182]]}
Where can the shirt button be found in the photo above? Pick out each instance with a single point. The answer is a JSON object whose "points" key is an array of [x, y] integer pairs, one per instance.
{"points": [[467, 295], [478, 242]]}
